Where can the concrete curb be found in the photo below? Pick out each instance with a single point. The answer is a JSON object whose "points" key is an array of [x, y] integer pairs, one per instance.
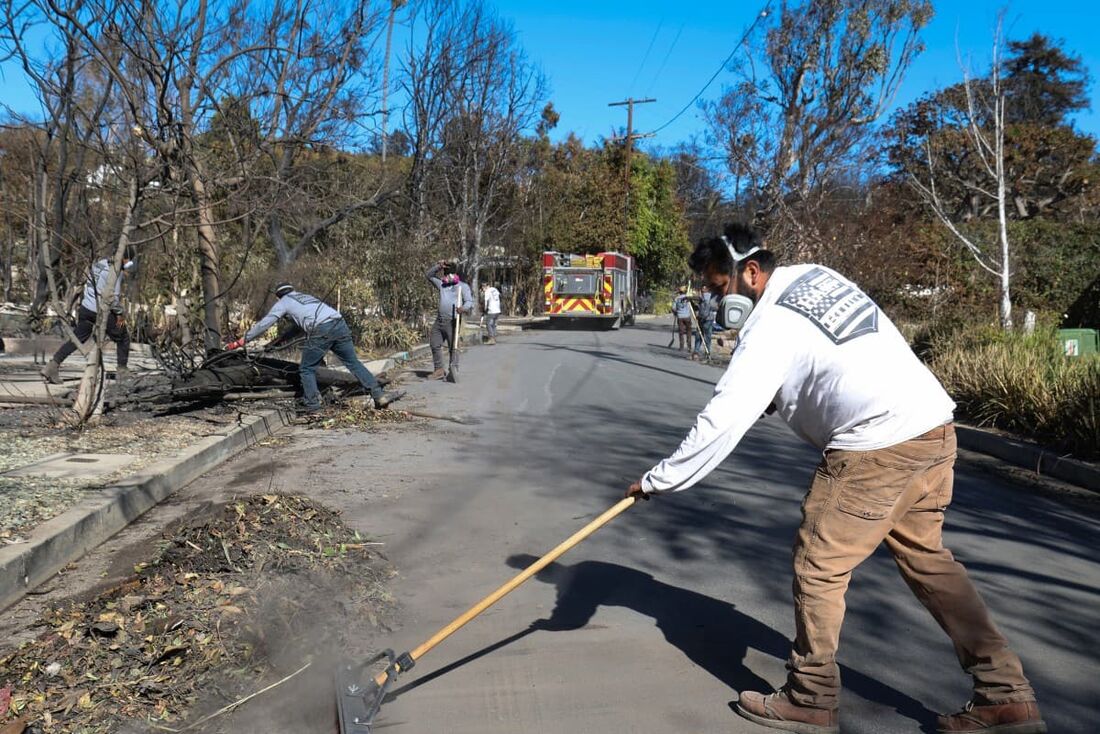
{"points": [[67, 537], [1029, 456]]}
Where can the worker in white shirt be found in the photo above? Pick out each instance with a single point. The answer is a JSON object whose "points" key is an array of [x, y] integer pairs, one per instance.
{"points": [[490, 301], [96, 286], [820, 352], [326, 331]]}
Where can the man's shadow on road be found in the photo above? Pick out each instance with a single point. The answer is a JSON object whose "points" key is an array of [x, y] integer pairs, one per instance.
{"points": [[711, 633]]}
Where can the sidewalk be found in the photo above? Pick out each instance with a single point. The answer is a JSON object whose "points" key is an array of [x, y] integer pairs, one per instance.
{"points": [[62, 511]]}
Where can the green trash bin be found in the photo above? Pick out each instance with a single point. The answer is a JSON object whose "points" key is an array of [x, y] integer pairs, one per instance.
{"points": [[1079, 342]]}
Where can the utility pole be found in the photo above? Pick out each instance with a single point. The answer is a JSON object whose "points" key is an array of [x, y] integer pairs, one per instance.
{"points": [[631, 136], [395, 5]]}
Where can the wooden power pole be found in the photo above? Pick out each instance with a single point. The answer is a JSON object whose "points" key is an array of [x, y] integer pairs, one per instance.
{"points": [[630, 137]]}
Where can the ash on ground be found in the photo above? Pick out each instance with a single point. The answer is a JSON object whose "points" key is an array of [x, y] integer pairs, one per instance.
{"points": [[232, 599]]}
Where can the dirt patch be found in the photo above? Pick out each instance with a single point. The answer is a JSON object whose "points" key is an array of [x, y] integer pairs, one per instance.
{"points": [[232, 599]]}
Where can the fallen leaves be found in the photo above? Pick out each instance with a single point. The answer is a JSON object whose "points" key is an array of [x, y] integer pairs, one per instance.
{"points": [[356, 415], [196, 613]]}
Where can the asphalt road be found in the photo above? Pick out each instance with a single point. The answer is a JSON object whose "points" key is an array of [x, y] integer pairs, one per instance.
{"points": [[655, 623]]}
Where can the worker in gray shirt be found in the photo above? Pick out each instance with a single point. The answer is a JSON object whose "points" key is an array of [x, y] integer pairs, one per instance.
{"points": [[88, 313], [325, 331], [455, 298], [706, 314]]}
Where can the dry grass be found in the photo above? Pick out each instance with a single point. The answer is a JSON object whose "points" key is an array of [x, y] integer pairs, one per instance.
{"points": [[1023, 384], [388, 334]]}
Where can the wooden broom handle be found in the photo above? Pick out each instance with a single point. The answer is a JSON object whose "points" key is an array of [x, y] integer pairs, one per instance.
{"points": [[523, 575]]}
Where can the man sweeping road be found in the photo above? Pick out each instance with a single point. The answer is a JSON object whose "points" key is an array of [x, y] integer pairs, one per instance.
{"points": [[325, 331], [817, 349]]}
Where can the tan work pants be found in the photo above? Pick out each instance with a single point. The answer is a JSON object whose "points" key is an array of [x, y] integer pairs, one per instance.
{"points": [[897, 494]]}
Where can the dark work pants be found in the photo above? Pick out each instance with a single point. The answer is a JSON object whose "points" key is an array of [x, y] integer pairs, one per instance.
{"points": [[683, 328], [442, 331], [85, 326], [334, 336]]}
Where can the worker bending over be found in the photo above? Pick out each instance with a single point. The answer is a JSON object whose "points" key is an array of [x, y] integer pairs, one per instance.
{"points": [[815, 347], [325, 331]]}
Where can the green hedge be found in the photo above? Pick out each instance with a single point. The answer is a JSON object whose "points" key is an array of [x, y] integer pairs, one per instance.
{"points": [[1021, 383]]}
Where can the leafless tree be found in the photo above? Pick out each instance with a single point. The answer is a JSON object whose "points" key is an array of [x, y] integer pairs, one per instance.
{"points": [[811, 85], [307, 91], [89, 179], [496, 97], [984, 119]]}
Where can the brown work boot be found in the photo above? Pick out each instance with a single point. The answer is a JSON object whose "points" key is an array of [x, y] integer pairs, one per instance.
{"points": [[52, 372], [1011, 717], [777, 711], [439, 374]]}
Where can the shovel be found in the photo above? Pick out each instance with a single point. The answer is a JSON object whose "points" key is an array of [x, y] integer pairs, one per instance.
{"points": [[358, 701], [702, 336]]}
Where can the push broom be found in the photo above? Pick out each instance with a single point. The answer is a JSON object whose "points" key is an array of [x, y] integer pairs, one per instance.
{"points": [[358, 702]]}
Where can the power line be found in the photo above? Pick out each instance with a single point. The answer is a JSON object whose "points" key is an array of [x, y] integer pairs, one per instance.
{"points": [[645, 58], [744, 37], [668, 54]]}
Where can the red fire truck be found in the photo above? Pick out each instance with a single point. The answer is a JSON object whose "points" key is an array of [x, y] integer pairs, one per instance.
{"points": [[602, 288]]}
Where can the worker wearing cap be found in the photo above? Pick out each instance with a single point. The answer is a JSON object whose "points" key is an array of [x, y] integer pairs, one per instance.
{"points": [[817, 349], [708, 308], [325, 331], [454, 297], [98, 283], [681, 311]]}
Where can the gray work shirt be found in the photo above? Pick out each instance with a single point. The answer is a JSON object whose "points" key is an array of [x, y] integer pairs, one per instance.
{"points": [[303, 309], [450, 295], [681, 307], [708, 307], [97, 283]]}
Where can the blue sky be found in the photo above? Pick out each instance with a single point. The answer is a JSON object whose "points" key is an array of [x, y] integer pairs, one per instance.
{"points": [[596, 52]]}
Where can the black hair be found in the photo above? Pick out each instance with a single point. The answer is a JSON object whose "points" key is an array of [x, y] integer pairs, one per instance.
{"points": [[128, 253], [742, 237], [764, 259], [710, 252], [714, 252]]}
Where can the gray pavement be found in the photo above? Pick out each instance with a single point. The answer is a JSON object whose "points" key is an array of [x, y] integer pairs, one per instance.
{"points": [[654, 623]]}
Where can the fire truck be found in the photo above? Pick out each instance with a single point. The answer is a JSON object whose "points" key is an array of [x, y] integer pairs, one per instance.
{"points": [[600, 288]]}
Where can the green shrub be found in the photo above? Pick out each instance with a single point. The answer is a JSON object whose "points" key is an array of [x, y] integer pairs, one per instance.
{"points": [[662, 301], [377, 334], [1023, 384]]}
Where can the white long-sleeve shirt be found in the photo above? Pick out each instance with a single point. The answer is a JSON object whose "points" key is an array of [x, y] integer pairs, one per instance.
{"points": [[492, 301], [303, 309], [839, 372]]}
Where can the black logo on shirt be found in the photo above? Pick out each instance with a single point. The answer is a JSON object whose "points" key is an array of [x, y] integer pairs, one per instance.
{"points": [[835, 306]]}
